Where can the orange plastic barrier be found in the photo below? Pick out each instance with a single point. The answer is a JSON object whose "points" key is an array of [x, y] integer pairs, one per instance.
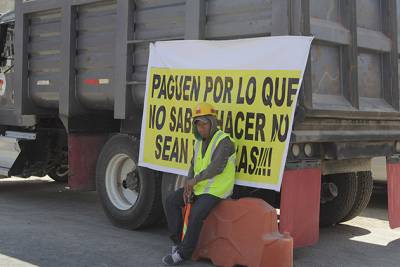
{"points": [[244, 232]]}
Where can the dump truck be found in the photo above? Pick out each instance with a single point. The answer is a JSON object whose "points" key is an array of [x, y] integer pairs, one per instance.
{"points": [[73, 78]]}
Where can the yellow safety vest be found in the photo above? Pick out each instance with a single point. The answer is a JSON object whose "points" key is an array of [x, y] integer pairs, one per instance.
{"points": [[221, 185]]}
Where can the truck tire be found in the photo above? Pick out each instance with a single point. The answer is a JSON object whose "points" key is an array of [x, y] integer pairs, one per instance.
{"points": [[130, 195], [365, 185], [333, 211], [170, 183]]}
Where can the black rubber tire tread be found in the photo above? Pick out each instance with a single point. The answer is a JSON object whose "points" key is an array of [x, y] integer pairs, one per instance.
{"points": [[168, 185], [365, 185], [148, 208], [332, 212]]}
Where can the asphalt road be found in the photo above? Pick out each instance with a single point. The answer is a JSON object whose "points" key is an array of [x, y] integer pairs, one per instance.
{"points": [[44, 224]]}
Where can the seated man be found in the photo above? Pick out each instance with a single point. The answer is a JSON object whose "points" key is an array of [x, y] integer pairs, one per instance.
{"points": [[211, 178]]}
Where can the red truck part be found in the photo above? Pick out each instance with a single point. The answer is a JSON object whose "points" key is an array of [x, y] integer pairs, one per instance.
{"points": [[300, 203], [393, 187], [83, 150]]}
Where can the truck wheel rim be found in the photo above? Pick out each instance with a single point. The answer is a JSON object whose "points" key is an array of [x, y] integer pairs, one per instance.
{"points": [[117, 169]]}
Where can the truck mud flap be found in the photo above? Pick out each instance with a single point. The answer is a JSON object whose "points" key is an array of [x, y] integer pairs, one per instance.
{"points": [[82, 157], [300, 203], [393, 188]]}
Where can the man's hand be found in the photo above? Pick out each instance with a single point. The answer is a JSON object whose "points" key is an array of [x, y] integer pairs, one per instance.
{"points": [[186, 194], [191, 182], [188, 189]]}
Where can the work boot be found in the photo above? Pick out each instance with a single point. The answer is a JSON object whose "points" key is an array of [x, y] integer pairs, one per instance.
{"points": [[172, 259]]}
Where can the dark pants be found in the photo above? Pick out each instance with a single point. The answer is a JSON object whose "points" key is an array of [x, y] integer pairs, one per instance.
{"points": [[201, 207]]}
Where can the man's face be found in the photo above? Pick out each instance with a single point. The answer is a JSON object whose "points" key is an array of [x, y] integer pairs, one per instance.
{"points": [[203, 128]]}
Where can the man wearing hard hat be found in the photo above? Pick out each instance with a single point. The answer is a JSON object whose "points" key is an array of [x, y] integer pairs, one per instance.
{"points": [[211, 179]]}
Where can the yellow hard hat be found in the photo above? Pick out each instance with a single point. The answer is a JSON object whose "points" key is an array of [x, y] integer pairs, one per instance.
{"points": [[203, 109]]}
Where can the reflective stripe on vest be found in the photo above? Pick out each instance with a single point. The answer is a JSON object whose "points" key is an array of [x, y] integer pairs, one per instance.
{"points": [[222, 184], [232, 159], [210, 181], [196, 149]]}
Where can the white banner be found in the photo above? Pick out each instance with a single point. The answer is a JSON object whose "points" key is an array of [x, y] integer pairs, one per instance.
{"points": [[254, 85]]}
